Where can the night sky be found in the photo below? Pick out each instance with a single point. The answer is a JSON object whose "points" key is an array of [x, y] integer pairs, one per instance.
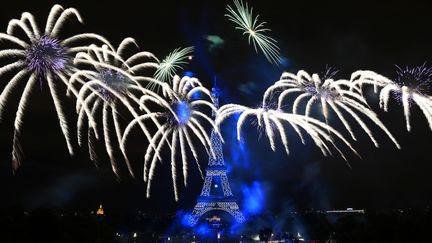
{"points": [[347, 37]]}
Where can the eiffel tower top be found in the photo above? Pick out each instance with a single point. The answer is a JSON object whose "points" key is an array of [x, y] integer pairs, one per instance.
{"points": [[215, 95]]}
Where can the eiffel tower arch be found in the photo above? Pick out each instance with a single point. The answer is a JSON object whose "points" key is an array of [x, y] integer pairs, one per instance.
{"points": [[216, 192]]}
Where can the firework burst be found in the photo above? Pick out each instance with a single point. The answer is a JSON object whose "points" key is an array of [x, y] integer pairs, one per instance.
{"points": [[242, 16], [173, 62], [272, 122], [108, 84], [335, 95], [417, 79], [412, 86], [181, 118], [40, 57]]}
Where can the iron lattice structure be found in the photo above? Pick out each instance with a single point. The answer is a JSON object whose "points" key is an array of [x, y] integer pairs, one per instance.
{"points": [[216, 194]]}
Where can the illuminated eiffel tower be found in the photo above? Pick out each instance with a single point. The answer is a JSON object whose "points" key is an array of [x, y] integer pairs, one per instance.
{"points": [[216, 194]]}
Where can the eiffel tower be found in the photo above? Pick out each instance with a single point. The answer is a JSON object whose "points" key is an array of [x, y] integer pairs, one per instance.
{"points": [[216, 194]]}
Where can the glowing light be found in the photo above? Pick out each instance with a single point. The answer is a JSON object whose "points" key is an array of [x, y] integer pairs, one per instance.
{"points": [[255, 237], [116, 81], [216, 173], [418, 79], [271, 121], [188, 73], [242, 16], [178, 119], [46, 55], [411, 87], [183, 112], [172, 63], [107, 84], [336, 95], [40, 56], [100, 210], [135, 235], [299, 237]]}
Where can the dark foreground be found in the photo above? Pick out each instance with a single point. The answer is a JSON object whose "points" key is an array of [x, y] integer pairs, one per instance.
{"points": [[47, 225]]}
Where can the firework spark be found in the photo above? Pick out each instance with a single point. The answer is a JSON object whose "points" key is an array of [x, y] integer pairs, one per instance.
{"points": [[108, 84], [412, 86], [242, 16], [336, 95], [181, 118], [273, 121], [40, 57], [173, 62], [418, 79]]}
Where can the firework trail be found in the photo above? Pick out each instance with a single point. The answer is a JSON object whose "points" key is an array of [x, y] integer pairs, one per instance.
{"points": [[40, 57], [108, 84], [181, 117], [273, 121], [412, 86], [243, 18], [335, 95], [172, 63]]}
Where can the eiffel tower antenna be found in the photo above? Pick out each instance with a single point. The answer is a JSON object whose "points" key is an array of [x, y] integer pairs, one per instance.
{"points": [[216, 193], [214, 81], [215, 95]]}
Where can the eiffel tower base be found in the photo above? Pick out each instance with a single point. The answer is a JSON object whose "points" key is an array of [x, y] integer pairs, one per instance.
{"points": [[203, 207]]}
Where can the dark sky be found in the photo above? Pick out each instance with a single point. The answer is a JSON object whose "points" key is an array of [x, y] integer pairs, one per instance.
{"points": [[348, 37]]}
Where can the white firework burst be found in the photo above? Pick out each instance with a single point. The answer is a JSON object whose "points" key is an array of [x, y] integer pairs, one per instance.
{"points": [[242, 16], [335, 95], [41, 56], [181, 119], [172, 63], [273, 122], [107, 85], [402, 90]]}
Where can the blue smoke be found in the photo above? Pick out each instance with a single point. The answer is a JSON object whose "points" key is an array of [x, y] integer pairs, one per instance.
{"points": [[253, 198], [238, 154], [188, 73], [184, 219], [202, 229]]}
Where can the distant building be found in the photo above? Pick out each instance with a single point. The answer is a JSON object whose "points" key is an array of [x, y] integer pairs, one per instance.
{"points": [[100, 210], [348, 211]]}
